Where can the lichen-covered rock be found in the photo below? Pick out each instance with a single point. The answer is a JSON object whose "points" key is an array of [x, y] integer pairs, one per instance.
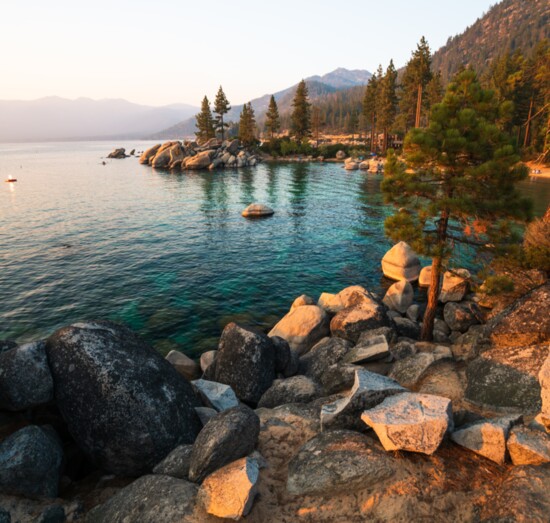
{"points": [[297, 389], [461, 316], [246, 362], [337, 461], [124, 404], [369, 389], [487, 437], [528, 447], [325, 353], [372, 349], [401, 263], [407, 328], [229, 492], [153, 498], [30, 463], [25, 377], [216, 395], [338, 377], [409, 421], [302, 327], [230, 435], [351, 322], [399, 296], [409, 371], [177, 463]]}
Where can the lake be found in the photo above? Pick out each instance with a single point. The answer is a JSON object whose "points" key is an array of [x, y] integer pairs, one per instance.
{"points": [[169, 255]]}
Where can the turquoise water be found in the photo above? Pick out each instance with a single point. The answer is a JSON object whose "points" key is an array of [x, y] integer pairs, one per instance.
{"points": [[169, 254]]}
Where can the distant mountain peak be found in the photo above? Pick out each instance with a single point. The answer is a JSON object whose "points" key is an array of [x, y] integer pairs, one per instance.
{"points": [[342, 78]]}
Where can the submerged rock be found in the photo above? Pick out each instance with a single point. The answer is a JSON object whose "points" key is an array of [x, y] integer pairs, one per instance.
{"points": [[409, 421], [246, 362], [30, 463], [124, 404], [337, 461], [25, 377], [401, 263], [230, 435], [257, 210], [229, 492]]}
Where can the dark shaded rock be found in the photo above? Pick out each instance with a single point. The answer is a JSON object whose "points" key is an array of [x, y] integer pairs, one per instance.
{"points": [[233, 146], [402, 350], [5, 516], [293, 364], [52, 514], [506, 378], [30, 463], [411, 370], [282, 354], [124, 404], [337, 461], [338, 377], [205, 414], [388, 332], [297, 389], [26, 380], [230, 435], [118, 154], [7, 345], [373, 349], [246, 362], [407, 328], [177, 463], [325, 353], [461, 316], [149, 499], [349, 323]]}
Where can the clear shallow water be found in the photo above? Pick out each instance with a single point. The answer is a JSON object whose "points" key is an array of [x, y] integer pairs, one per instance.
{"points": [[169, 254]]}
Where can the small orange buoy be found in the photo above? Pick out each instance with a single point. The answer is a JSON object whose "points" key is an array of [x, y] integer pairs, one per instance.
{"points": [[11, 179]]}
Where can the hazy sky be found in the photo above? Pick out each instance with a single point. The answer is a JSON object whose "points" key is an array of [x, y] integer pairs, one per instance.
{"points": [[163, 51]]}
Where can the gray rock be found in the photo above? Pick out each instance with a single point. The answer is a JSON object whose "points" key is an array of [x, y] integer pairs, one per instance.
{"points": [[246, 362], [149, 499], [282, 355], [335, 462], [293, 365], [412, 422], [486, 437], [369, 390], [351, 322], [30, 463], [205, 414], [7, 345], [230, 435], [338, 377], [461, 316], [124, 404], [52, 514], [216, 395], [399, 296], [177, 463], [25, 377], [230, 491], [207, 358], [441, 326], [410, 371], [187, 367], [117, 154], [388, 332], [375, 348], [5, 516], [325, 353], [298, 389], [528, 447], [233, 146], [413, 312], [402, 350], [407, 328], [302, 327]]}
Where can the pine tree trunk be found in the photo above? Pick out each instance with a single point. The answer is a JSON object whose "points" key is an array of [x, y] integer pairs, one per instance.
{"points": [[221, 121], [372, 135], [433, 296], [418, 107], [528, 124], [385, 142]]}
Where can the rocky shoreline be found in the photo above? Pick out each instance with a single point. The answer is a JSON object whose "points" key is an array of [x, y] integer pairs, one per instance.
{"points": [[339, 413]]}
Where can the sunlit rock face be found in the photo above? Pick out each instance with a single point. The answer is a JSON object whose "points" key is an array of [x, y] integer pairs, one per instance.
{"points": [[401, 263], [528, 447]]}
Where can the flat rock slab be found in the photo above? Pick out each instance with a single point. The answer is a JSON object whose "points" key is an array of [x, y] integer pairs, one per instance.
{"points": [[487, 437], [375, 348], [369, 389], [216, 395], [412, 422], [297, 389], [337, 461], [411, 370], [528, 447], [229, 492]]}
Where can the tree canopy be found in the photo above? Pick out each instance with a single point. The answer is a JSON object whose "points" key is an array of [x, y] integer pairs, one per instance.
{"points": [[301, 113], [221, 107], [272, 118], [205, 122]]}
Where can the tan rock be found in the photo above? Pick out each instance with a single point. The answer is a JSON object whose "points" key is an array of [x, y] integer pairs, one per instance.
{"points": [[356, 296], [455, 285], [528, 447], [401, 263], [399, 296], [229, 492], [199, 161], [412, 422], [187, 367], [149, 153], [349, 323], [425, 277], [256, 210], [302, 300], [544, 380], [332, 303], [302, 327], [207, 358]]}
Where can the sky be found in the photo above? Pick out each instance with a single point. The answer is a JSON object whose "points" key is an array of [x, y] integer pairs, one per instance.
{"points": [[159, 52]]}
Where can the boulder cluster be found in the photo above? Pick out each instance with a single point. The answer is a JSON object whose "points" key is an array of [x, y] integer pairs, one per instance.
{"points": [[339, 413], [186, 155]]}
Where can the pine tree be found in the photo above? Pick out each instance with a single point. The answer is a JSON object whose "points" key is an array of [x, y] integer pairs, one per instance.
{"points": [[415, 79], [370, 105], [317, 122], [461, 186], [221, 107], [301, 113], [247, 125], [205, 123], [272, 119], [386, 102]]}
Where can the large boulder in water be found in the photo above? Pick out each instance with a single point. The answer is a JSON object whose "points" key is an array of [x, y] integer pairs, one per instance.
{"points": [[123, 403], [401, 263], [245, 361], [149, 153]]}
